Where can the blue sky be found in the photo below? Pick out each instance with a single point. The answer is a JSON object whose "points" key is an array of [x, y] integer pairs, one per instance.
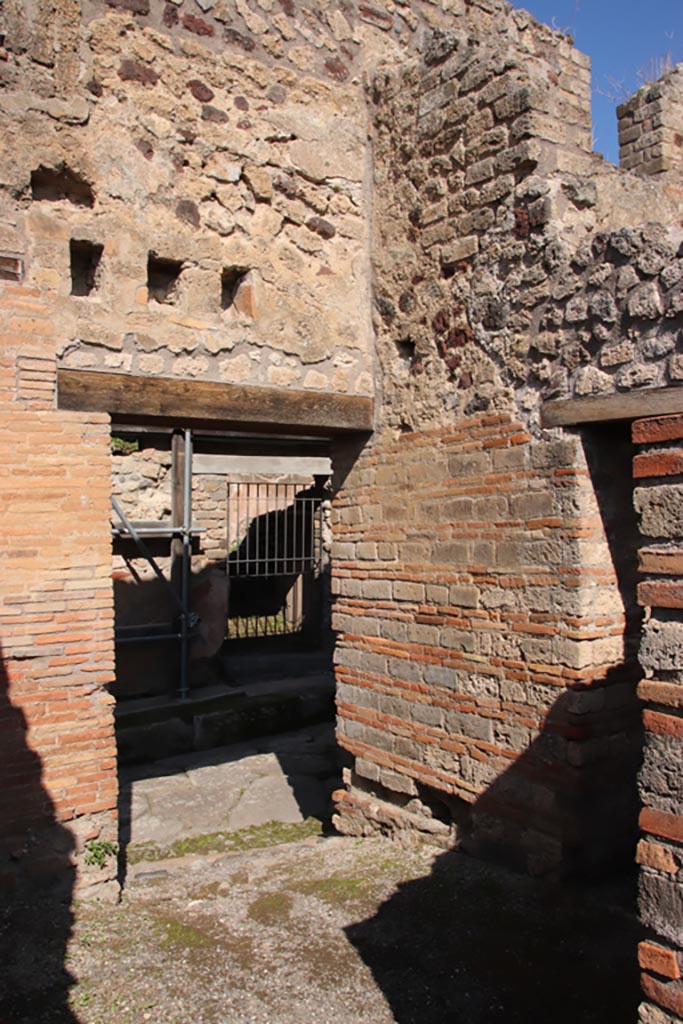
{"points": [[622, 38]]}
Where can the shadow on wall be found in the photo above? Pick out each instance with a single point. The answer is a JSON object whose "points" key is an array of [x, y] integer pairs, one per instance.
{"points": [[476, 944], [36, 883]]}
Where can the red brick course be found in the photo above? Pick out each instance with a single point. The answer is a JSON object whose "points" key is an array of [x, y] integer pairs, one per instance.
{"points": [[475, 604], [663, 698], [659, 960], [657, 428], [56, 605]]}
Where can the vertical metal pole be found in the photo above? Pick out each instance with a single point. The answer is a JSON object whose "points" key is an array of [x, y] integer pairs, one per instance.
{"points": [[187, 556], [285, 525], [178, 518], [228, 545], [267, 486]]}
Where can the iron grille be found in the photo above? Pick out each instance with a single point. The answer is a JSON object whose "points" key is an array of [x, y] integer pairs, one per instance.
{"points": [[274, 555]]}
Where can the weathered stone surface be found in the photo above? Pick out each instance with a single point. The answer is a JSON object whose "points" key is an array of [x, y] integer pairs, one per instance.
{"points": [[645, 302], [661, 510], [661, 906], [662, 645]]}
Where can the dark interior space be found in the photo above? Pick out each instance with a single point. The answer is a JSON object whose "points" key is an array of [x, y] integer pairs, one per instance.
{"points": [[85, 262], [162, 278], [55, 183]]}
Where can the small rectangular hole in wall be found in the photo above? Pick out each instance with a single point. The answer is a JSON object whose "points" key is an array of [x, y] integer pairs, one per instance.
{"points": [[85, 262], [231, 279], [11, 268], [162, 278]]}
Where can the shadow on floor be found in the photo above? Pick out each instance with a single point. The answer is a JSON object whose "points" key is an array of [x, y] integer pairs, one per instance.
{"points": [[473, 944]]}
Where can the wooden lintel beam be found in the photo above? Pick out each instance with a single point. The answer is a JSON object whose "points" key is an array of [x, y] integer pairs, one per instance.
{"points": [[631, 405], [203, 403]]}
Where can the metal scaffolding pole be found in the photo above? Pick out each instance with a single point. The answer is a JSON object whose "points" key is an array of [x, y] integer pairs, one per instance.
{"points": [[185, 597], [182, 532]]}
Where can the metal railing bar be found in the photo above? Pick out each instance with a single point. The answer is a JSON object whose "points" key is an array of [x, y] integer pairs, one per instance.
{"points": [[146, 553]]}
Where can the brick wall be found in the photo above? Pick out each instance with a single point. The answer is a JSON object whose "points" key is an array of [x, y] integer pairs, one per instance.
{"points": [[56, 616], [657, 471], [650, 138], [483, 686]]}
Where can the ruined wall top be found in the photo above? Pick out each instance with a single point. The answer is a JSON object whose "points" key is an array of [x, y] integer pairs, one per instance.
{"points": [[651, 128], [335, 41]]}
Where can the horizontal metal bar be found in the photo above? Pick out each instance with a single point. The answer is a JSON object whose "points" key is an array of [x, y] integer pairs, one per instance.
{"points": [[161, 531], [146, 638], [142, 627]]}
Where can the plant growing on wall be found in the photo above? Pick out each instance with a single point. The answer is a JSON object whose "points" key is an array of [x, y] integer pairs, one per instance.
{"points": [[97, 852]]}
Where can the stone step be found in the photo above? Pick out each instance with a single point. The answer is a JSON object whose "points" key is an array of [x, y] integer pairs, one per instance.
{"points": [[159, 727]]}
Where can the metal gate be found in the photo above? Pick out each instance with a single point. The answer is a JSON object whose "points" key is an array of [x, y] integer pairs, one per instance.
{"points": [[274, 533]]}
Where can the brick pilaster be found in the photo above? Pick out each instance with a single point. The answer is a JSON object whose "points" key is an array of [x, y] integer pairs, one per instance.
{"points": [[657, 467]]}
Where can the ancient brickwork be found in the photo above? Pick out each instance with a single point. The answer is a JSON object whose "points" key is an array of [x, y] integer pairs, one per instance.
{"points": [[56, 614], [383, 199], [650, 138], [657, 470], [495, 228], [178, 244], [512, 260], [481, 653]]}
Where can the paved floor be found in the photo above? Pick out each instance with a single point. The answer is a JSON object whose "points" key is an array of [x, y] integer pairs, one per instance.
{"points": [[235, 911], [286, 778]]}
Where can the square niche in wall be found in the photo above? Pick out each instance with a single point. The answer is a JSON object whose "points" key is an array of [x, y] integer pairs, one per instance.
{"points": [[85, 262], [232, 279], [162, 278]]}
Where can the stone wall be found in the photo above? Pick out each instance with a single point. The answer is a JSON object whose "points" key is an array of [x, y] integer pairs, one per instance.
{"points": [[511, 263], [650, 138], [483, 682], [657, 473], [484, 565], [185, 212], [395, 200]]}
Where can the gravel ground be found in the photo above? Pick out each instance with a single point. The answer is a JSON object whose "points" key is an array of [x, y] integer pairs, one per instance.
{"points": [[325, 931]]}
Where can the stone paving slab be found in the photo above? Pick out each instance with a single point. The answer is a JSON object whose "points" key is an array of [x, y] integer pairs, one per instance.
{"points": [[285, 778]]}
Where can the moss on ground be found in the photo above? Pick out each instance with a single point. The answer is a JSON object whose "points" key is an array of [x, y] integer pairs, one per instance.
{"points": [[272, 833], [336, 889], [180, 934]]}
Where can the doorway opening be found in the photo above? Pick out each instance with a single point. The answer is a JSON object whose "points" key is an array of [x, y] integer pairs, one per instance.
{"points": [[221, 548]]}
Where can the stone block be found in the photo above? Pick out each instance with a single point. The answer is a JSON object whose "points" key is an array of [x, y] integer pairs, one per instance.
{"points": [[422, 634], [645, 302], [660, 509], [464, 596], [458, 639], [531, 505], [397, 782], [440, 675], [377, 590], [472, 726], [462, 249], [403, 668], [406, 591], [661, 905]]}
